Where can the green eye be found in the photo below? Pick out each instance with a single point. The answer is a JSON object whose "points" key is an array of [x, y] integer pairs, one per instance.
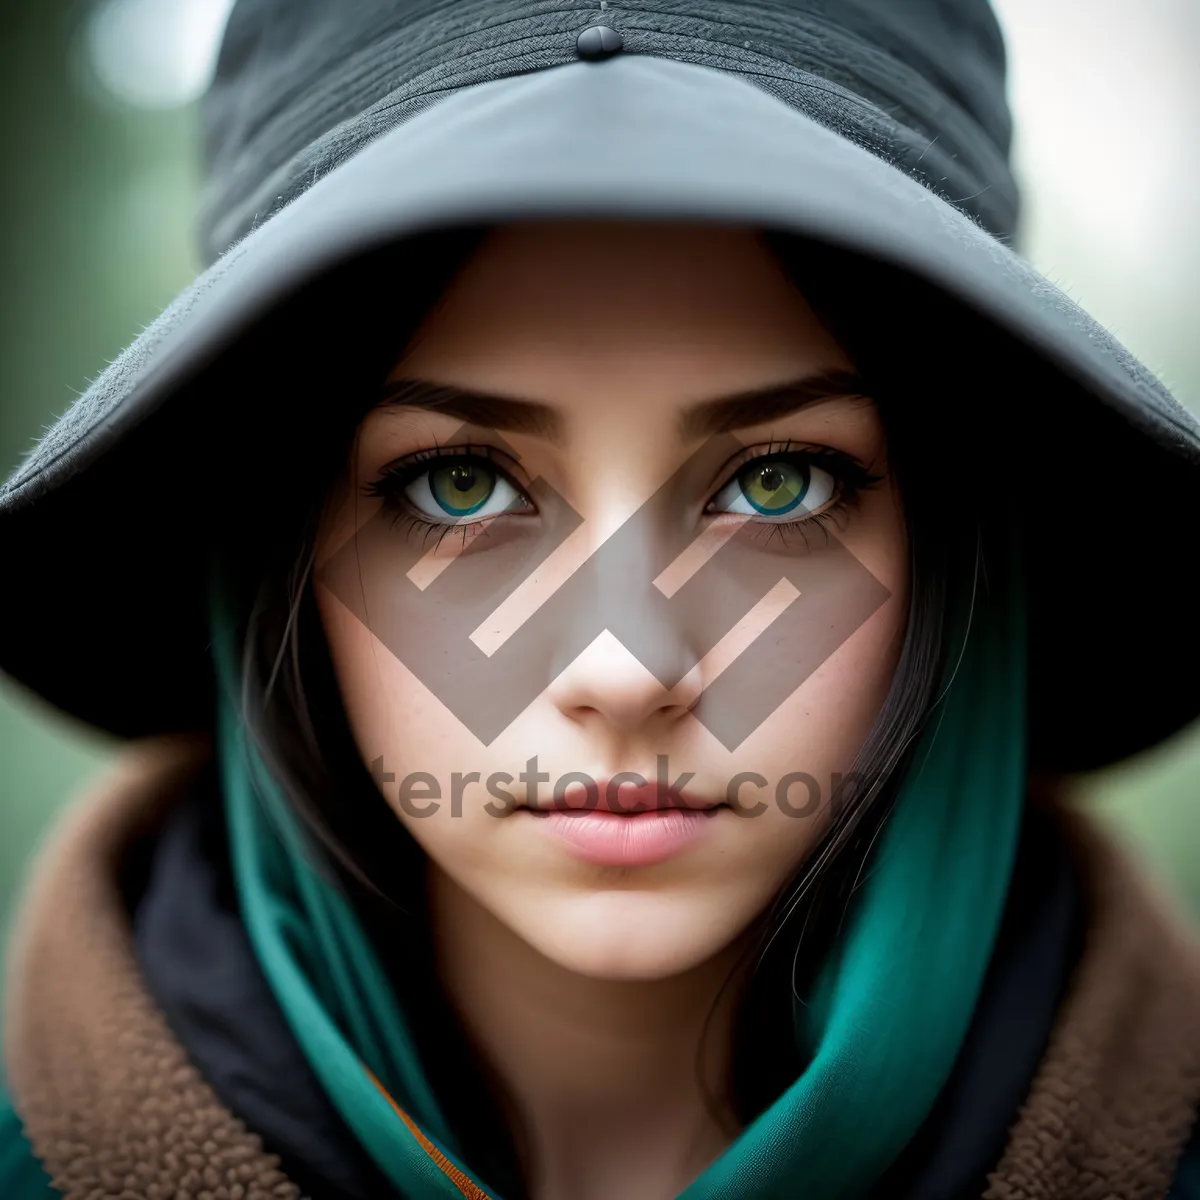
{"points": [[462, 489], [773, 488]]}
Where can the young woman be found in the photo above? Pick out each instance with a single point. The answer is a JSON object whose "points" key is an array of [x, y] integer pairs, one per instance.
{"points": [[618, 567]]}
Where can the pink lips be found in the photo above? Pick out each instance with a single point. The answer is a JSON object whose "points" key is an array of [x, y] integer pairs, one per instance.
{"points": [[639, 827]]}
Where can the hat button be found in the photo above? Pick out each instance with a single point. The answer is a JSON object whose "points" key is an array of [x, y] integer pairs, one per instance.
{"points": [[598, 41]]}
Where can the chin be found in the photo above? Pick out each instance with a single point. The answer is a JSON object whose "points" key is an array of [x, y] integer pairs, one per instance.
{"points": [[616, 960], [629, 937]]}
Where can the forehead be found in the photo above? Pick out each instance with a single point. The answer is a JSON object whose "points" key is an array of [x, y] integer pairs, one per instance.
{"points": [[546, 306]]}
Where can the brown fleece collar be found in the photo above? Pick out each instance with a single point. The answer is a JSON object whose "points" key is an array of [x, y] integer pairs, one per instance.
{"points": [[115, 1110], [110, 1102], [1116, 1094]]}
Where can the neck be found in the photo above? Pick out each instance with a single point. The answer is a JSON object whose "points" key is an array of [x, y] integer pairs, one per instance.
{"points": [[613, 1087]]}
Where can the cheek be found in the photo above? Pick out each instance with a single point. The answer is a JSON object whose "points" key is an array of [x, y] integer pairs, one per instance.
{"points": [[403, 733], [800, 754], [390, 713], [828, 717]]}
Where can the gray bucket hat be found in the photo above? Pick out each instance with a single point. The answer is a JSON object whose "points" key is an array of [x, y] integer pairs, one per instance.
{"points": [[341, 137]]}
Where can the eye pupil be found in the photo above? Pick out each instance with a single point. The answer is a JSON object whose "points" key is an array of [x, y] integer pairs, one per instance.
{"points": [[463, 478], [771, 480]]}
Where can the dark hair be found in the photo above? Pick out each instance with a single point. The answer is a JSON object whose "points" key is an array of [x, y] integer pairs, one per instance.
{"points": [[297, 720]]}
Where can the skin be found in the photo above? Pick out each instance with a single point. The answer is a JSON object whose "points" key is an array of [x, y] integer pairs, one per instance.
{"points": [[585, 987]]}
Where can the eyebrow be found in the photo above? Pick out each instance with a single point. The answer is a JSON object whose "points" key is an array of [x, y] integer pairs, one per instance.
{"points": [[722, 414], [759, 405]]}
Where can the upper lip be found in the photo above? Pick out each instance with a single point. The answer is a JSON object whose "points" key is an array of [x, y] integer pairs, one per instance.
{"points": [[628, 799]]}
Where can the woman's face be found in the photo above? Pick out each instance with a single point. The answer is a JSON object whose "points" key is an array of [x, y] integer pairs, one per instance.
{"points": [[623, 513]]}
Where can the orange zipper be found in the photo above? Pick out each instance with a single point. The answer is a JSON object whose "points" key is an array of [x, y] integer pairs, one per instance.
{"points": [[470, 1189]]}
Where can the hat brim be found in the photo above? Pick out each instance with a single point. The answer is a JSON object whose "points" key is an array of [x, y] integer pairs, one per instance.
{"points": [[634, 137]]}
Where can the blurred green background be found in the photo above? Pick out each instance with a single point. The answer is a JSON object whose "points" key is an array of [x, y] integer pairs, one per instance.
{"points": [[99, 147]]}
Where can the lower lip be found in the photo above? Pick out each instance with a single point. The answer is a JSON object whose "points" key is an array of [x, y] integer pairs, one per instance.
{"points": [[612, 840]]}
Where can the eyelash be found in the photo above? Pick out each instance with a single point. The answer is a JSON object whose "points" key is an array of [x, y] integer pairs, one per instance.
{"points": [[851, 479]]}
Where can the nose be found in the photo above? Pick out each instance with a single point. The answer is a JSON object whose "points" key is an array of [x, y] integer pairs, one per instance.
{"points": [[609, 689]]}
